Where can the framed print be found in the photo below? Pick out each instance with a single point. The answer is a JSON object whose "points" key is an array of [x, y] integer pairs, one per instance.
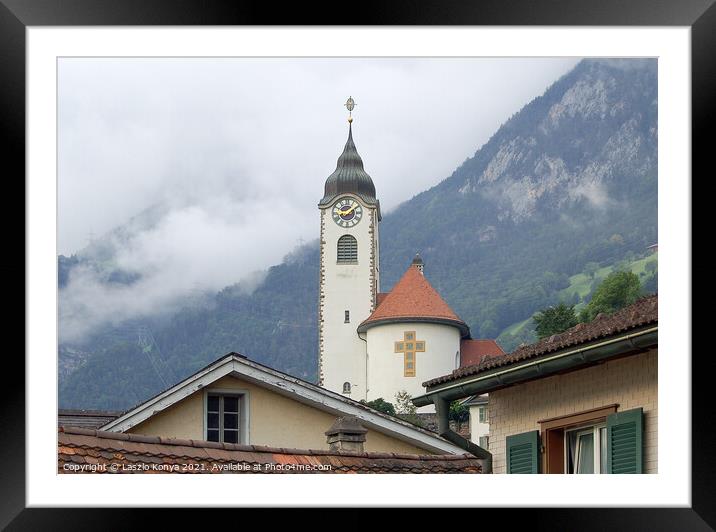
{"points": [[207, 188]]}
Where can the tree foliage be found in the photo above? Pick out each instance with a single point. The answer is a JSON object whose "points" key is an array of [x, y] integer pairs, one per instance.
{"points": [[619, 289], [554, 320], [381, 405]]}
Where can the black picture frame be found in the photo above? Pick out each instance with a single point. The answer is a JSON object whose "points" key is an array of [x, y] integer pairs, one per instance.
{"points": [[699, 15]]}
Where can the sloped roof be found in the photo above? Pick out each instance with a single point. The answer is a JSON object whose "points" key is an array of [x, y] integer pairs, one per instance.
{"points": [[94, 451], [349, 176], [474, 351], [85, 418], [239, 366], [643, 312], [414, 299]]}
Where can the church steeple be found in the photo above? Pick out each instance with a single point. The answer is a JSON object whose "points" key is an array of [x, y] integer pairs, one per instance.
{"points": [[349, 175]]}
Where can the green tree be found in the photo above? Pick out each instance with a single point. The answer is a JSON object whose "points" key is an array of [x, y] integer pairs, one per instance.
{"points": [[458, 413], [619, 289], [380, 405], [405, 408], [591, 269], [554, 320]]}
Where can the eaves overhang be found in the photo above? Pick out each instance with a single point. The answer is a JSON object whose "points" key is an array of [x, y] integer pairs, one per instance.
{"points": [[460, 325], [526, 370]]}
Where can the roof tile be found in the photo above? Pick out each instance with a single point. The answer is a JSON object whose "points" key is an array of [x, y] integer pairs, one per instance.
{"points": [[643, 312], [413, 297]]}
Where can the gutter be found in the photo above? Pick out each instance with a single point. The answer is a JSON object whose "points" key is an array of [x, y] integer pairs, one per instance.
{"points": [[543, 367], [442, 408]]}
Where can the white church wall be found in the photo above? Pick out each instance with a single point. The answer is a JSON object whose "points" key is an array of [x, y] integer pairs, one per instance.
{"points": [[346, 287], [386, 368]]}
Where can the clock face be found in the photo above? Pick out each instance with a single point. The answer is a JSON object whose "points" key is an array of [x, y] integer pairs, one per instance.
{"points": [[347, 212]]}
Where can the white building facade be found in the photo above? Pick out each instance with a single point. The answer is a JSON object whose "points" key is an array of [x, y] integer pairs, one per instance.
{"points": [[374, 345]]}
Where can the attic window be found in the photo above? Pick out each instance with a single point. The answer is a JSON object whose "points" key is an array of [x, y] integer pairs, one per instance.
{"points": [[223, 418], [347, 388], [347, 250]]}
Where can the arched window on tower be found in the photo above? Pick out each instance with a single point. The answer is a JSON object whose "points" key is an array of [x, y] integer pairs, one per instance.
{"points": [[347, 249], [347, 388]]}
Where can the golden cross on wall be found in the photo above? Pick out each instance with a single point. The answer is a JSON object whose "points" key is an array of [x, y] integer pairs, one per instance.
{"points": [[409, 346]]}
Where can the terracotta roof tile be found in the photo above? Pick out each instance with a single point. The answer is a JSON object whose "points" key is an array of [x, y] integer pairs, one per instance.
{"points": [[92, 453], [643, 312], [92, 419], [474, 351], [413, 297]]}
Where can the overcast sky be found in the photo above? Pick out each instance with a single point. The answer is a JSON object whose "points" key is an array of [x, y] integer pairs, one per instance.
{"points": [[237, 150]]}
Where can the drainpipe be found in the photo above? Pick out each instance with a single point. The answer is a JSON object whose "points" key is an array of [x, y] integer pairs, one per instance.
{"points": [[442, 408]]}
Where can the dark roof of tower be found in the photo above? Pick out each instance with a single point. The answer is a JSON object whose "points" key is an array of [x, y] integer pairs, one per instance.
{"points": [[349, 176]]}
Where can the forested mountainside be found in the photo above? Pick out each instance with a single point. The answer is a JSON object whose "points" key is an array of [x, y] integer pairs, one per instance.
{"points": [[570, 179]]}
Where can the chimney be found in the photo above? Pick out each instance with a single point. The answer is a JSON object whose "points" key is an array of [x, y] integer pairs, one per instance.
{"points": [[346, 434], [418, 263]]}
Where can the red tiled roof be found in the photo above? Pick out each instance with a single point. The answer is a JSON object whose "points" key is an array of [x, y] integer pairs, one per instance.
{"points": [[93, 451], [474, 351], [644, 312], [413, 298], [380, 297]]}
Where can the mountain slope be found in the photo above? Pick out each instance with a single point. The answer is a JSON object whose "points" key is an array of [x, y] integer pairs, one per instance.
{"points": [[570, 179]]}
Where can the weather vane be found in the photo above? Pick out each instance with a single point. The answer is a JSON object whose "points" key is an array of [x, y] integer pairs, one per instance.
{"points": [[350, 104]]}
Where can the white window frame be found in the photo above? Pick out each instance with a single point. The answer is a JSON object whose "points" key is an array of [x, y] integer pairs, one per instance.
{"points": [[595, 430], [244, 411], [482, 414]]}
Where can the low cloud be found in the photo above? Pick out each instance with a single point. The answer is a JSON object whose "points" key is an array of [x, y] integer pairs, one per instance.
{"points": [[191, 249]]}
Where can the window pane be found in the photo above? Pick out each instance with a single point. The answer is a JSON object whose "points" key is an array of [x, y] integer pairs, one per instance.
{"points": [[212, 421], [213, 403], [231, 404], [212, 435], [231, 421], [408, 336], [409, 345], [419, 345], [585, 450], [399, 346], [231, 436], [409, 365]]}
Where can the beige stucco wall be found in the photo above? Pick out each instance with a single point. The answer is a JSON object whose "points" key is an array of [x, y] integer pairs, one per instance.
{"points": [[274, 420], [630, 382]]}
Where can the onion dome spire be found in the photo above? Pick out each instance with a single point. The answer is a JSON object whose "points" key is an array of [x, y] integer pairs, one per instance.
{"points": [[349, 175]]}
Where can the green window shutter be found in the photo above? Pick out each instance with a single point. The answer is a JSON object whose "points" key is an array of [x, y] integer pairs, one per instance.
{"points": [[625, 441], [523, 452]]}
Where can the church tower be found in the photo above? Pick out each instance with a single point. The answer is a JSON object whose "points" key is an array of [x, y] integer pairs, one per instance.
{"points": [[349, 271]]}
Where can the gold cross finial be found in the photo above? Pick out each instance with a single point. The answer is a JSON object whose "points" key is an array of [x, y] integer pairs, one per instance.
{"points": [[350, 104]]}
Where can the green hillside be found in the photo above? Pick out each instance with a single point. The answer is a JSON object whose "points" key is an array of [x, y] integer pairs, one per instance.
{"points": [[569, 180], [581, 286]]}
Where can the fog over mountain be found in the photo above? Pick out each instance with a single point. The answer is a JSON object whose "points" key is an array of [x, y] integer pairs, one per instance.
{"points": [[565, 178], [188, 175]]}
